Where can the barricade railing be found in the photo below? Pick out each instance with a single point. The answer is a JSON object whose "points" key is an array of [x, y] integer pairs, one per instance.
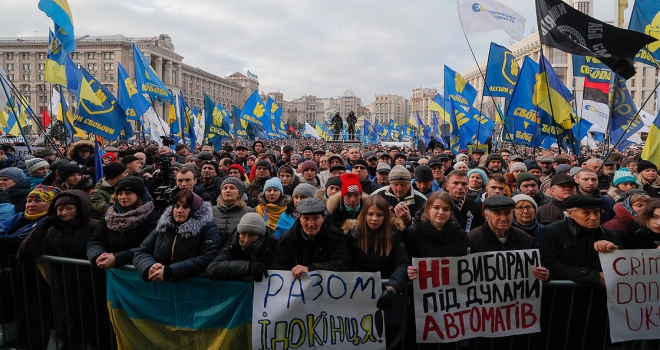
{"points": [[59, 303]]}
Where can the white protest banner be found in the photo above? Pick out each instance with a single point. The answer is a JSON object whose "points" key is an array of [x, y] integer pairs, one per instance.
{"points": [[23, 150], [632, 279], [322, 310], [490, 294]]}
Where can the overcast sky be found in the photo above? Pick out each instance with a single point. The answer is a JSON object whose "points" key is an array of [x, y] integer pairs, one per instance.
{"points": [[297, 47]]}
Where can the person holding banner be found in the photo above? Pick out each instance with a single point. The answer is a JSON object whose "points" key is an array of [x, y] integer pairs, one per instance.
{"points": [[648, 235]]}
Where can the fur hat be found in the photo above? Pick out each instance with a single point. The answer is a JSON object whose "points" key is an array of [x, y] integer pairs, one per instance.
{"points": [[252, 223]]}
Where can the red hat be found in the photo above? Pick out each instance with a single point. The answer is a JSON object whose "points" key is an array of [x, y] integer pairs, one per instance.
{"points": [[110, 155], [239, 168], [350, 182]]}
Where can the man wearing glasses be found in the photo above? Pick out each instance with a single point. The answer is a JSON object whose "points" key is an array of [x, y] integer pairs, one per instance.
{"points": [[361, 168]]}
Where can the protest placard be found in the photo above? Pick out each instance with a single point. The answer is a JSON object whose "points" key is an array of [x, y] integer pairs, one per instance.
{"points": [[632, 279], [491, 294], [321, 310]]}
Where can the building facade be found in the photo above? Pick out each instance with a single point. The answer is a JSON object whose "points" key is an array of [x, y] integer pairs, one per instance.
{"points": [[388, 107], [421, 98]]}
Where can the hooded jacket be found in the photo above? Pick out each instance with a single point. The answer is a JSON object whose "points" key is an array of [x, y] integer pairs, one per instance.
{"points": [[185, 249], [233, 263], [72, 152], [393, 266]]}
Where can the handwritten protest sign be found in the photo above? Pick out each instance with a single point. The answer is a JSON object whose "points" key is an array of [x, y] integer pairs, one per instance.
{"points": [[490, 294], [324, 309], [632, 279]]}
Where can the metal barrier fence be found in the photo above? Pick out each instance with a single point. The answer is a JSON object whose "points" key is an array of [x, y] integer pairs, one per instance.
{"points": [[59, 303]]}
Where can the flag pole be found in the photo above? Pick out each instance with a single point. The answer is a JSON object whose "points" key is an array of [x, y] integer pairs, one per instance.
{"points": [[487, 88]]}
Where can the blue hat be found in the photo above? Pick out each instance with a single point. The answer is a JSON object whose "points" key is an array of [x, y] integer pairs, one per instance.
{"points": [[13, 173], [483, 175], [623, 176], [274, 182]]}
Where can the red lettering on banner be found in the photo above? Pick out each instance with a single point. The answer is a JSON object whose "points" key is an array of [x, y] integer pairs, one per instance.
{"points": [[431, 326], [425, 273], [528, 313], [451, 329]]}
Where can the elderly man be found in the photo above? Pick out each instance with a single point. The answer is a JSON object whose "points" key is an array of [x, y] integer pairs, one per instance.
{"points": [[467, 212], [563, 187], [404, 201], [382, 174], [312, 243], [494, 163], [587, 181], [347, 204], [361, 168], [547, 169], [528, 184]]}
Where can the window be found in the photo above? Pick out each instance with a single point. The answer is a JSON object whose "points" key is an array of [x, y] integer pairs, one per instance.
{"points": [[42, 55], [41, 87], [109, 66], [108, 55], [91, 66], [75, 55], [10, 66], [27, 77], [41, 66], [41, 77], [25, 87], [43, 99], [11, 77], [91, 55], [10, 55], [112, 77], [26, 55], [27, 66]]}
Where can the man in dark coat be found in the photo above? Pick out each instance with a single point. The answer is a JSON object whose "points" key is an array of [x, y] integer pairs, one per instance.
{"points": [[563, 187], [404, 201], [311, 244], [361, 168], [467, 212], [263, 172], [587, 182]]}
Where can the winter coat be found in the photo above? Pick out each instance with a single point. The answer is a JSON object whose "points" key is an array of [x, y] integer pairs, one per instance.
{"points": [[185, 249], [470, 215], [288, 190], [642, 238], [337, 213], [533, 230], [14, 161], [423, 240], [226, 218], [16, 195], [271, 212], [615, 193], [233, 263], [86, 184], [122, 234], [474, 194], [253, 190], [320, 194], [327, 251], [100, 196], [435, 186], [34, 181], [212, 190], [14, 230], [393, 266], [551, 212], [72, 152], [414, 199], [316, 182], [621, 218], [369, 186], [483, 239], [568, 251]]}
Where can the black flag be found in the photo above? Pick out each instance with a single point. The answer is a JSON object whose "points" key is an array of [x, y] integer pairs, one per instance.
{"points": [[567, 29]]}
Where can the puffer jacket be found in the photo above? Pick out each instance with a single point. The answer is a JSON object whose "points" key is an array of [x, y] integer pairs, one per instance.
{"points": [[620, 220], [483, 239], [100, 196], [328, 251], [226, 218], [423, 240], [233, 263], [185, 249], [124, 235], [393, 266]]}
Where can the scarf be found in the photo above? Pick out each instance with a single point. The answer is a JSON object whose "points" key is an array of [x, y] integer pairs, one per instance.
{"points": [[253, 248], [35, 216], [271, 213], [459, 204], [123, 222], [628, 206], [351, 211]]}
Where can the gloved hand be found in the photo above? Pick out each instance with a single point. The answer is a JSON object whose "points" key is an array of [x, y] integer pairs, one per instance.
{"points": [[258, 271], [386, 300], [49, 222]]}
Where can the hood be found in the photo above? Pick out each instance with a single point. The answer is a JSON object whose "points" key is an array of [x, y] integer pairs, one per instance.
{"points": [[189, 228], [332, 203], [84, 204], [320, 194], [622, 214], [73, 149]]}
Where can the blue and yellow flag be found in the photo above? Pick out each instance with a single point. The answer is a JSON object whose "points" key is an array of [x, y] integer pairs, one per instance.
{"points": [[133, 103], [148, 81], [369, 133], [196, 313], [418, 121], [651, 151], [552, 96], [645, 18], [106, 120], [240, 125], [274, 113], [60, 13], [395, 130], [217, 123], [64, 115], [321, 131], [624, 119], [501, 72], [521, 105], [591, 67], [59, 68], [187, 117], [408, 133], [426, 135], [458, 89], [468, 127], [441, 106], [254, 111]]}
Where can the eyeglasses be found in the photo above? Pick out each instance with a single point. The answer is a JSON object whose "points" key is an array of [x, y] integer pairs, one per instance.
{"points": [[525, 208], [371, 160]]}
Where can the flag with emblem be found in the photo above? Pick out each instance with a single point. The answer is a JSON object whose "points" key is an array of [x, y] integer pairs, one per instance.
{"points": [[487, 15]]}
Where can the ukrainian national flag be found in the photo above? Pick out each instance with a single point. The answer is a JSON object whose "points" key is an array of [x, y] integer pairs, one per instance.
{"points": [[60, 13], [551, 96], [651, 151], [196, 313]]}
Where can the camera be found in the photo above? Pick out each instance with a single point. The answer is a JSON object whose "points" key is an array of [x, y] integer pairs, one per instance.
{"points": [[167, 140], [164, 193]]}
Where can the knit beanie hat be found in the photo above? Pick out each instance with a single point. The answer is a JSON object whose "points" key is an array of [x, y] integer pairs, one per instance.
{"points": [[56, 165], [45, 193], [350, 183], [484, 177], [128, 159], [62, 200], [110, 155], [645, 164], [229, 180], [264, 163], [132, 184], [240, 169], [112, 170], [532, 165], [252, 223], [274, 182], [458, 165], [398, 173], [623, 176], [333, 181], [13, 173], [67, 170], [423, 174], [517, 166], [525, 176], [306, 190], [523, 197], [309, 164], [34, 164]]}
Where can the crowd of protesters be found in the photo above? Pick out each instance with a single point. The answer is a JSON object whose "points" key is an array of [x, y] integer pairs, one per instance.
{"points": [[303, 205]]}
